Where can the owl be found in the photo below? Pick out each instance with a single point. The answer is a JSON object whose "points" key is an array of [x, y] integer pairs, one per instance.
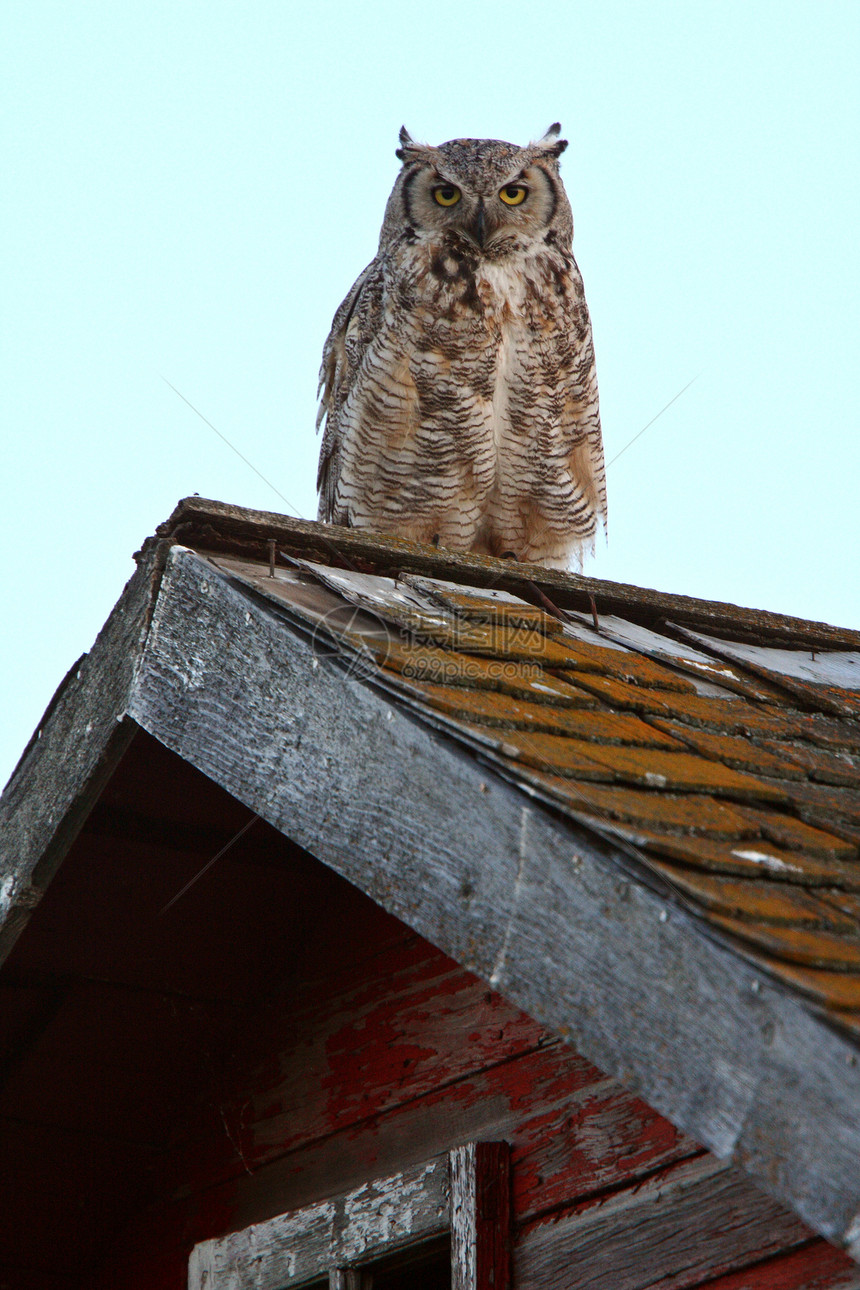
{"points": [[458, 381]]}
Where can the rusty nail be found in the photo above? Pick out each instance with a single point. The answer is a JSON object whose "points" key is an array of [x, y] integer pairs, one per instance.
{"points": [[594, 617], [548, 605], [273, 546]]}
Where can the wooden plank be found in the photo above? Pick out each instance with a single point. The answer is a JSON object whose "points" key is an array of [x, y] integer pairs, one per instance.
{"points": [[556, 919], [481, 1217], [345, 1279], [217, 526], [572, 1132], [352, 1046], [377, 1218], [816, 1266], [675, 1232], [469, 1191]]}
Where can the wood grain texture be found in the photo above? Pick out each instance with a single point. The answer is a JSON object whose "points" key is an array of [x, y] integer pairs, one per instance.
{"points": [[468, 1191], [377, 1218], [398, 1052], [481, 1217], [217, 526], [573, 1132], [566, 1140], [370, 1095], [550, 915], [815, 1266], [675, 1232], [464, 1215]]}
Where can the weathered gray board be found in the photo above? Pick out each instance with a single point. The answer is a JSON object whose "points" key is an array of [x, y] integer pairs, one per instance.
{"points": [[547, 912], [702, 1221], [334, 1237], [326, 1238]]}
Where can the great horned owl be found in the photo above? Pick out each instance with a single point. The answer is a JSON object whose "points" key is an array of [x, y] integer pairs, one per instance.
{"points": [[458, 378]]}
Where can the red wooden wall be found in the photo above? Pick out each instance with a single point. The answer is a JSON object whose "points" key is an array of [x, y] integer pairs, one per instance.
{"points": [[273, 1038]]}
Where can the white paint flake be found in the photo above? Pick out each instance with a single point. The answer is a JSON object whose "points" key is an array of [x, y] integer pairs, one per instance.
{"points": [[767, 861], [7, 890], [653, 780]]}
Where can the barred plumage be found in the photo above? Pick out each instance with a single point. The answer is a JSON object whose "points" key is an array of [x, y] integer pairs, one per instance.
{"points": [[459, 388]]}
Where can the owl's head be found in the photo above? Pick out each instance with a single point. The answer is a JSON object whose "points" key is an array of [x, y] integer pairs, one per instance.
{"points": [[493, 196]]}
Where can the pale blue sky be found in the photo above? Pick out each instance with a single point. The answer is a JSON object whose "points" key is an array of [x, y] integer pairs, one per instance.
{"points": [[191, 188]]}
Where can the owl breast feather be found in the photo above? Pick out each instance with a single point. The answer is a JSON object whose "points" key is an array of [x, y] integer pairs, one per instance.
{"points": [[450, 419]]}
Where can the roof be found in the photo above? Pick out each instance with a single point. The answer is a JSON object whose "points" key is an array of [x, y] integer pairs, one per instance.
{"points": [[635, 815]]}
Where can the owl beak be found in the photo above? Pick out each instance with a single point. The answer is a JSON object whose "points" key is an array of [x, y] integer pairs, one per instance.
{"points": [[478, 226]]}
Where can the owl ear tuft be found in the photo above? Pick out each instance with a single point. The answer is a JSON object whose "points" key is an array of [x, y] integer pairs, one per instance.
{"points": [[407, 144], [550, 143]]}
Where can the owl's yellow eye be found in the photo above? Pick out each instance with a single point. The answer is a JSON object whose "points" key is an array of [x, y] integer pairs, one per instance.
{"points": [[514, 194], [447, 195]]}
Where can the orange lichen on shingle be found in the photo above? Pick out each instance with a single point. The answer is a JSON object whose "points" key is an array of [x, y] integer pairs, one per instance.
{"points": [[680, 771], [522, 643], [849, 698], [498, 709], [528, 681], [691, 814], [820, 948], [837, 989], [625, 666], [841, 768], [755, 857], [624, 695], [749, 807], [737, 717], [732, 750], [499, 613], [794, 835], [754, 898], [518, 642], [829, 807], [604, 728], [848, 902]]}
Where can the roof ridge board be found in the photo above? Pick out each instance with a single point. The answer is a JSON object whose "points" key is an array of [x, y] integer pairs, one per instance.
{"points": [[204, 523]]}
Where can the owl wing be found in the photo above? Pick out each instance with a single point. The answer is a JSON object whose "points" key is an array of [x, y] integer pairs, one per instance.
{"points": [[352, 330], [580, 418]]}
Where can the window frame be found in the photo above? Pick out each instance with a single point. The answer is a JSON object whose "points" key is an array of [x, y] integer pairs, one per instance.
{"points": [[464, 1193]]}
